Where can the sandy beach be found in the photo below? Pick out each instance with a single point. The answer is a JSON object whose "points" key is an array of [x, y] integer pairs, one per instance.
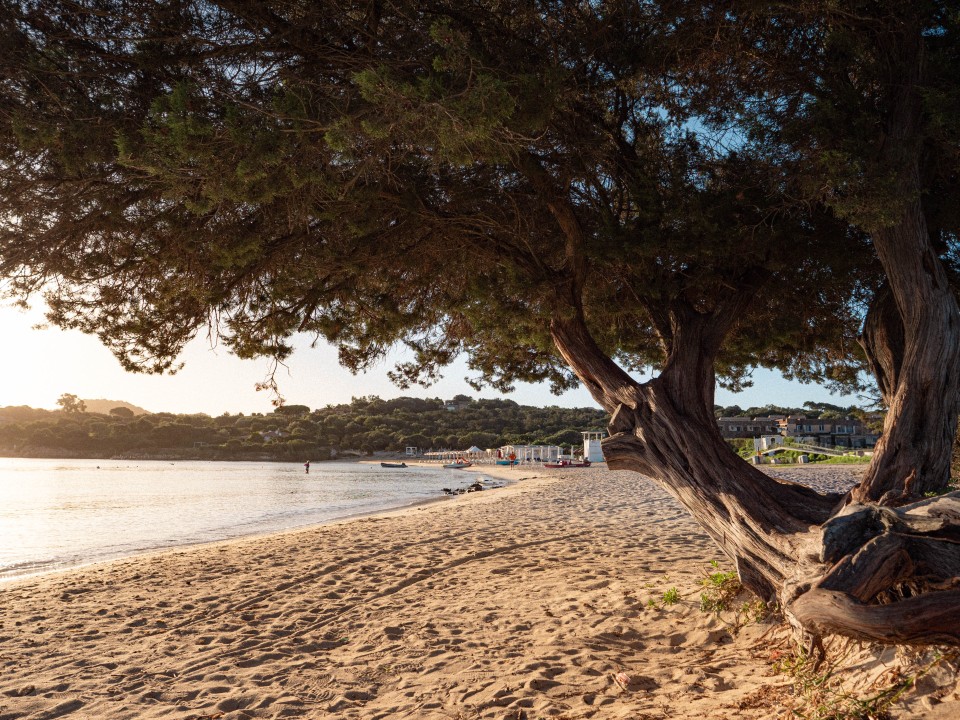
{"points": [[540, 600]]}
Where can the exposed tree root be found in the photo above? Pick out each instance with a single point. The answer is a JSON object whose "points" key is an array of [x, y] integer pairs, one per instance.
{"points": [[897, 579], [925, 620]]}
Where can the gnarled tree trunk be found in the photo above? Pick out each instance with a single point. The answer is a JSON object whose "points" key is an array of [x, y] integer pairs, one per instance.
{"points": [[913, 340], [864, 571], [912, 334], [882, 341]]}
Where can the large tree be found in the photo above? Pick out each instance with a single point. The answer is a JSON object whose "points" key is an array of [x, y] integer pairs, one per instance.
{"points": [[562, 191]]}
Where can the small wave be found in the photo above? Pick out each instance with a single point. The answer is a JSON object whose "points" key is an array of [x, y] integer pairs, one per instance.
{"points": [[29, 567]]}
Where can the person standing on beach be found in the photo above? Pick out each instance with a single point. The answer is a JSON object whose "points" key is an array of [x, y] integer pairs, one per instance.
{"points": [[306, 467]]}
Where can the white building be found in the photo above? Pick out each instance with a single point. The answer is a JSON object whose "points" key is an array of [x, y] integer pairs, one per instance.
{"points": [[767, 442], [592, 450], [531, 453]]}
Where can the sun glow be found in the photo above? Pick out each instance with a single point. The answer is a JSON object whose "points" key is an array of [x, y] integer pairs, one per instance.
{"points": [[40, 364]]}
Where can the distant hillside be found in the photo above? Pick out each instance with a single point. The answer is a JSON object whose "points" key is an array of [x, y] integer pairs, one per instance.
{"points": [[293, 432], [105, 406]]}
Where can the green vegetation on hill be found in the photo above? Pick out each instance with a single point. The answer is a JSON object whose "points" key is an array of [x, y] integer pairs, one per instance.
{"points": [[294, 432], [809, 409]]}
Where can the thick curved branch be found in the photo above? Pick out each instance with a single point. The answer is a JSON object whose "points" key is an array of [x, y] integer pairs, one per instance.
{"points": [[666, 430], [607, 382], [921, 382], [877, 566], [856, 525], [924, 620]]}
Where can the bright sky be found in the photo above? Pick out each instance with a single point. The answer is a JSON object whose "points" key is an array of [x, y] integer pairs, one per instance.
{"points": [[39, 365]]}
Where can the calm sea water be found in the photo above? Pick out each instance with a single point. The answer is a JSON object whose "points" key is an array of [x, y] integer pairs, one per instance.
{"points": [[59, 513]]}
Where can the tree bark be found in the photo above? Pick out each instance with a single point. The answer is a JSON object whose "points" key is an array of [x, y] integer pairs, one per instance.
{"points": [[919, 374], [920, 379], [922, 390], [898, 577]]}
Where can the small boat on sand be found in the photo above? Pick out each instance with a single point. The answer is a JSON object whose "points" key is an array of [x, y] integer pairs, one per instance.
{"points": [[508, 462], [457, 465], [568, 464], [393, 465]]}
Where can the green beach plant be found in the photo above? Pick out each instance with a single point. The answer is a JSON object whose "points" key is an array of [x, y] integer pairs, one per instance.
{"points": [[668, 597], [720, 591], [720, 588]]}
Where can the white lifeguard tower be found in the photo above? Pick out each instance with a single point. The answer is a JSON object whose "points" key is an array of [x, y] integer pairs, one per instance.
{"points": [[591, 446]]}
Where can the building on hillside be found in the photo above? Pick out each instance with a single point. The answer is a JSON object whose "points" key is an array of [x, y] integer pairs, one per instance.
{"points": [[273, 435], [829, 432], [455, 404], [767, 442], [745, 427], [837, 432]]}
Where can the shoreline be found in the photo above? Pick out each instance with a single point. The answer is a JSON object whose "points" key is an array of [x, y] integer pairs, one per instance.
{"points": [[163, 550], [526, 602], [13, 577]]}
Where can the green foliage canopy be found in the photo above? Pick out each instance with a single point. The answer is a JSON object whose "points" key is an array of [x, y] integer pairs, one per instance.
{"points": [[449, 177]]}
